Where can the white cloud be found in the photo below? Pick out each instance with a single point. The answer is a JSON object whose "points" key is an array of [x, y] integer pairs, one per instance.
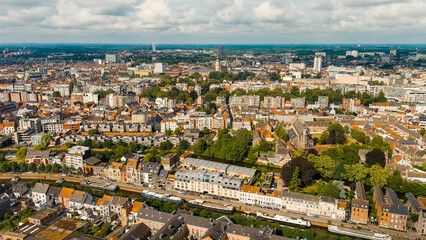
{"points": [[213, 19]]}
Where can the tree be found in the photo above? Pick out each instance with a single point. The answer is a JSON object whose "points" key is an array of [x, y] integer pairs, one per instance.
{"points": [[79, 171], [376, 156], [381, 97], [324, 137], [295, 181], [32, 167], [360, 136], [206, 131], [48, 168], [168, 132], [325, 165], [23, 167], [166, 145], [149, 157], [281, 133], [93, 132], [336, 134], [183, 144], [356, 172], [200, 146], [56, 94], [56, 168], [21, 153], [41, 167], [13, 166], [178, 132], [330, 190], [395, 181], [105, 229], [45, 140], [39, 147], [306, 168], [379, 175]]}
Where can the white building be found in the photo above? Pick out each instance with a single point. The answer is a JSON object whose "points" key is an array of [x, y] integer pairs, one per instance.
{"points": [[159, 68], [168, 124], [75, 156], [317, 64], [256, 196], [111, 58], [63, 89]]}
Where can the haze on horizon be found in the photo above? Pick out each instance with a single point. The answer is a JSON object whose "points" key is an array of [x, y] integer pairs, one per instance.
{"points": [[213, 21]]}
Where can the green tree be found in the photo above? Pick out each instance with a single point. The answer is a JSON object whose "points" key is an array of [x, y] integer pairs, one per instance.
{"points": [[205, 131], [105, 229], [21, 153], [39, 147], [330, 190], [56, 94], [56, 168], [48, 168], [41, 167], [281, 133], [381, 97], [356, 172], [67, 145], [166, 145], [45, 140], [32, 167], [149, 157], [93, 132], [379, 175], [178, 132], [295, 181], [324, 165], [23, 167], [168, 132], [183, 144], [200, 146]]}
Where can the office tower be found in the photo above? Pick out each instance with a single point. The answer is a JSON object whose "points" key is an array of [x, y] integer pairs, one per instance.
{"points": [[317, 64], [111, 58], [221, 52], [154, 47]]}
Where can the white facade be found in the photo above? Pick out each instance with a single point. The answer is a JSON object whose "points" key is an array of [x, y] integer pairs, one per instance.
{"points": [[317, 64]]}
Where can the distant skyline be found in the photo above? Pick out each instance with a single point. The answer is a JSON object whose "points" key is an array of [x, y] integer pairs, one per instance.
{"points": [[213, 21]]}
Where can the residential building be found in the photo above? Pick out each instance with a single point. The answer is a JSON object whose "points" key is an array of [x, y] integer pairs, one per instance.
{"points": [[389, 210], [37, 157], [39, 194], [360, 204], [169, 161], [256, 196], [75, 156]]}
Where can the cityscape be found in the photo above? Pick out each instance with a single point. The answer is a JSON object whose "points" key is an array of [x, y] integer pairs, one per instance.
{"points": [[200, 120]]}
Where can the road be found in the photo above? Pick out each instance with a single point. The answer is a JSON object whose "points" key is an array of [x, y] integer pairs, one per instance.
{"points": [[322, 221]]}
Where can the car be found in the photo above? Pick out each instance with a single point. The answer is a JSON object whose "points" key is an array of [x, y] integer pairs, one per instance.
{"points": [[151, 186], [316, 216]]}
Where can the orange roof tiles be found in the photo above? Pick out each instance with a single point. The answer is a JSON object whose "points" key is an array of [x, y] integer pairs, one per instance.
{"points": [[66, 192]]}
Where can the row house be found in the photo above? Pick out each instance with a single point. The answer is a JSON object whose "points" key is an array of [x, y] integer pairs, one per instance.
{"points": [[314, 205], [360, 204], [389, 210], [257, 196]]}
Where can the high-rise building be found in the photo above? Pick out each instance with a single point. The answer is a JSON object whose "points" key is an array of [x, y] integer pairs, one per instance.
{"points": [[323, 101], [217, 65], [221, 52], [154, 47], [317, 64], [159, 67], [111, 58]]}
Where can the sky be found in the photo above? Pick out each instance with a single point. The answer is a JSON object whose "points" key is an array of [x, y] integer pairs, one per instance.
{"points": [[213, 21]]}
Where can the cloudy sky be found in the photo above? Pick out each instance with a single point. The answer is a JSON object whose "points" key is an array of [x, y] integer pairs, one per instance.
{"points": [[213, 21]]}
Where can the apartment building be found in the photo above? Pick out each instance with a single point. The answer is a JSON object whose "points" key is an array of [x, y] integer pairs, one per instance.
{"points": [[213, 183], [37, 157], [359, 208], [244, 101], [75, 156], [390, 212]]}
